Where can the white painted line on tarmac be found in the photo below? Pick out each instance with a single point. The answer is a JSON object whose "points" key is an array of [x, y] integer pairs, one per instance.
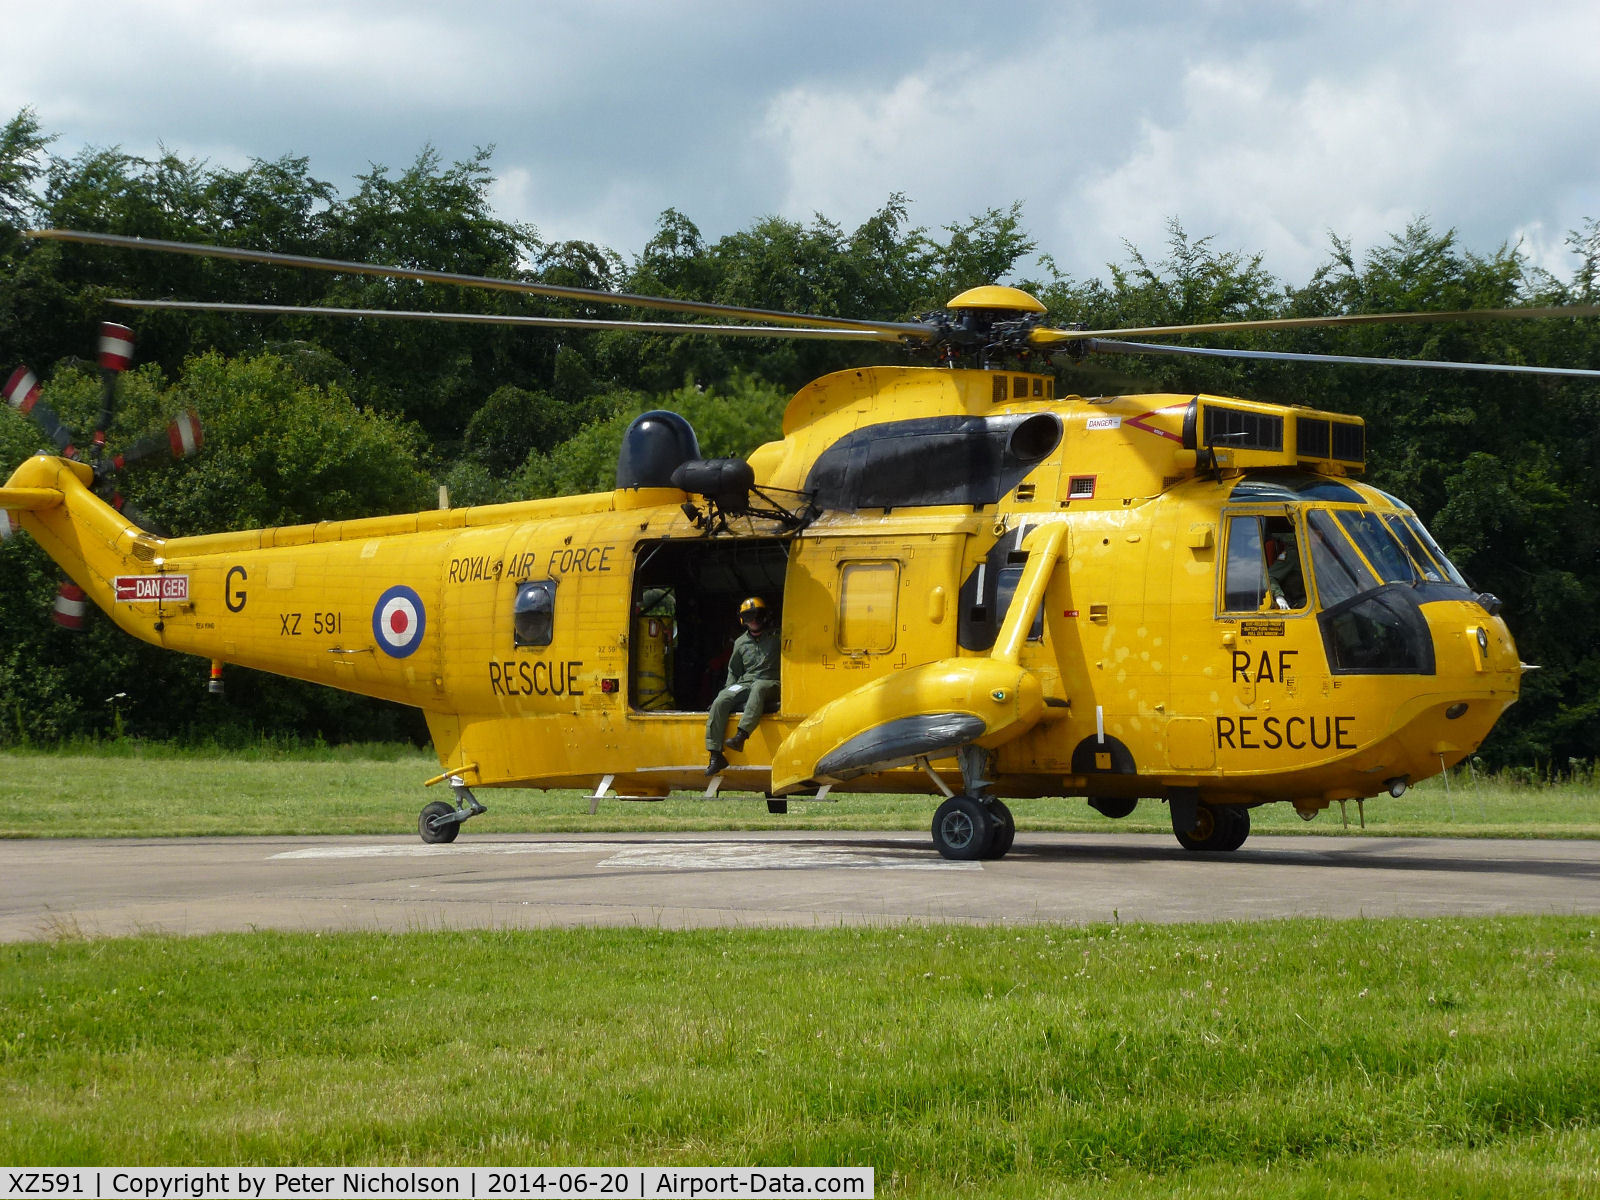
{"points": [[449, 850], [677, 856], [736, 856]]}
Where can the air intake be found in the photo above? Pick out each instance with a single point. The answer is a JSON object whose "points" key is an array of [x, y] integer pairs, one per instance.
{"points": [[1236, 429]]}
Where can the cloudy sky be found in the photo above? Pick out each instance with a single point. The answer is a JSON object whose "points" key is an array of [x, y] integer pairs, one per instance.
{"points": [[1267, 125]]}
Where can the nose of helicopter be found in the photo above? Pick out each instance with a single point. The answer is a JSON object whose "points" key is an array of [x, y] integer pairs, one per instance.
{"points": [[1477, 677]]}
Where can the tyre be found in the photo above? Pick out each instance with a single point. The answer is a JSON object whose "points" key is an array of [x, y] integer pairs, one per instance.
{"points": [[962, 828], [434, 834], [1239, 827], [1005, 830], [1213, 827], [777, 807]]}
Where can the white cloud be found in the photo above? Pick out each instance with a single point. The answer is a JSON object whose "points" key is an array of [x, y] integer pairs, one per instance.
{"points": [[1264, 124]]}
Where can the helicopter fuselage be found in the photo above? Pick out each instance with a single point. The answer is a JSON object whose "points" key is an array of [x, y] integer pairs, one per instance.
{"points": [[1090, 591]]}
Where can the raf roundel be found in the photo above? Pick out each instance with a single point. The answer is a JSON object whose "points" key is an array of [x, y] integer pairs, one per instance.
{"points": [[398, 621]]}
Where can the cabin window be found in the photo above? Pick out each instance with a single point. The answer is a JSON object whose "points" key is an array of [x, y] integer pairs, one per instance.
{"points": [[868, 598], [534, 613]]}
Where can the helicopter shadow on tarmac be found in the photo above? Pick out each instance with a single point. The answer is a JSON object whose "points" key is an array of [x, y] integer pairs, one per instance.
{"points": [[1341, 854], [1371, 854]]}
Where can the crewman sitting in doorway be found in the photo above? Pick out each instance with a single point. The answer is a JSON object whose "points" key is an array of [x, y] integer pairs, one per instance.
{"points": [[752, 686]]}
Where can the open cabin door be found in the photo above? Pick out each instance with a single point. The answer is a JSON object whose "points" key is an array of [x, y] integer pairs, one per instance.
{"points": [[685, 615]]}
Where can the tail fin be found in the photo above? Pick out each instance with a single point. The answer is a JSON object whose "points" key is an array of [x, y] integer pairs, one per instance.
{"points": [[53, 499]]}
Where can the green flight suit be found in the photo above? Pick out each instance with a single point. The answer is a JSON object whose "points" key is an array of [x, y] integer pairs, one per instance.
{"points": [[752, 685]]}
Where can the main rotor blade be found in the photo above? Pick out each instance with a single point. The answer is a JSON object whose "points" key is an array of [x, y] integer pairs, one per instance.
{"points": [[1051, 337], [908, 329], [1103, 346], [291, 310]]}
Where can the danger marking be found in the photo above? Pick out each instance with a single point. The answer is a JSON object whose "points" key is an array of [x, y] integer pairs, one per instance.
{"points": [[151, 587]]}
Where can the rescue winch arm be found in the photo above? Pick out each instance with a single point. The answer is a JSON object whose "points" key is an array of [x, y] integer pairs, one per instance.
{"points": [[1044, 548]]}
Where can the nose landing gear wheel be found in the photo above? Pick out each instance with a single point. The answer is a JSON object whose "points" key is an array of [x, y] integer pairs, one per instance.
{"points": [[1240, 818]]}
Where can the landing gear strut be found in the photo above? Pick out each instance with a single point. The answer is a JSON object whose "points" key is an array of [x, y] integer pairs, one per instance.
{"points": [[439, 822]]}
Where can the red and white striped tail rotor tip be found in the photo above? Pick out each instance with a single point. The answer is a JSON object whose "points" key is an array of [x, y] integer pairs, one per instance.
{"points": [[185, 435], [22, 390], [116, 346], [72, 606]]}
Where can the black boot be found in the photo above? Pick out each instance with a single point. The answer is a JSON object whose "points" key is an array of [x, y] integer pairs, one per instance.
{"points": [[737, 741], [717, 765]]}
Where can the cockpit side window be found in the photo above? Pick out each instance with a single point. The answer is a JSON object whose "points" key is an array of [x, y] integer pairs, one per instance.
{"points": [[1264, 569], [534, 613], [1286, 579], [1339, 571]]}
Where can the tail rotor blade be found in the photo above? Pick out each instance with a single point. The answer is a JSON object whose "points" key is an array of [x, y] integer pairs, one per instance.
{"points": [[71, 608], [137, 516], [116, 354], [185, 435], [181, 439], [22, 393], [116, 347], [22, 390]]}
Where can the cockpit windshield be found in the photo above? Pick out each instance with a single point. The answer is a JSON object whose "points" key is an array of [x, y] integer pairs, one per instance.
{"points": [[1355, 558], [1431, 560], [1349, 552], [1367, 627], [1337, 568], [1378, 545]]}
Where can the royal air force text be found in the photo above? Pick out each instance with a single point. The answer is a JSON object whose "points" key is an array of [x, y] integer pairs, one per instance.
{"points": [[569, 560]]}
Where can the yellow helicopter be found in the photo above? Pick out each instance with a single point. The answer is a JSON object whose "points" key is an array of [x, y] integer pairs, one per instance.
{"points": [[985, 590]]}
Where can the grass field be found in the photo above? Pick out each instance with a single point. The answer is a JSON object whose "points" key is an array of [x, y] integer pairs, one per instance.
{"points": [[132, 791], [1437, 1058], [1294, 1059]]}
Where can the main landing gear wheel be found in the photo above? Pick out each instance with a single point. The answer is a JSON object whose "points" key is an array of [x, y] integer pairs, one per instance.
{"points": [[1215, 828], [962, 828], [434, 830], [966, 829]]}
